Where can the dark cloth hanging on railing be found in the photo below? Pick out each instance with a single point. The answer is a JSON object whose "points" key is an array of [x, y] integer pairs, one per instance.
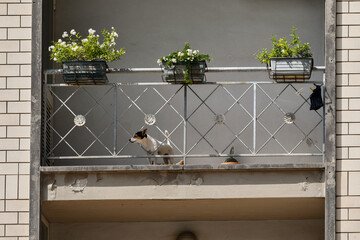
{"points": [[316, 99]]}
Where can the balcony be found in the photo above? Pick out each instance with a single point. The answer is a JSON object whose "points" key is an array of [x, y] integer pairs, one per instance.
{"points": [[266, 122], [92, 174]]}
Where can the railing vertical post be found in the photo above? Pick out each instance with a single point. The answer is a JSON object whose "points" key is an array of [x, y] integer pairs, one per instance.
{"points": [[323, 118], [115, 119], [254, 117], [185, 122], [44, 107]]}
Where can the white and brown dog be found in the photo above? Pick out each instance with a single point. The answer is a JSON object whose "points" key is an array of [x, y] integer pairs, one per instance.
{"points": [[154, 147]]}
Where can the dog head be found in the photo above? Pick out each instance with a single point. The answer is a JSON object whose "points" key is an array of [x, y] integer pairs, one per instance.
{"points": [[139, 136]]}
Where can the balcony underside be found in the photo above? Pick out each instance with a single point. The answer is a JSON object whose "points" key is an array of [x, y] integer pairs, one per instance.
{"points": [[183, 210], [164, 193]]}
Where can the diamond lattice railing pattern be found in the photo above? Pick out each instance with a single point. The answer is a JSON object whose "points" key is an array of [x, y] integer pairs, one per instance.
{"points": [[203, 120]]}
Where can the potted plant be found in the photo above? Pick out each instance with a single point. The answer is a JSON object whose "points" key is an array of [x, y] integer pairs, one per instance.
{"points": [[288, 62], [230, 160], [186, 67], [84, 60]]}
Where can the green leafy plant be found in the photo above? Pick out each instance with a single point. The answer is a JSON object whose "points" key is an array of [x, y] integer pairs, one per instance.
{"points": [[187, 56], [231, 159], [73, 47], [282, 48]]}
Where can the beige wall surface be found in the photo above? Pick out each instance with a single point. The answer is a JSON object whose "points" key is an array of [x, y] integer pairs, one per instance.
{"points": [[15, 81], [229, 230], [348, 120]]}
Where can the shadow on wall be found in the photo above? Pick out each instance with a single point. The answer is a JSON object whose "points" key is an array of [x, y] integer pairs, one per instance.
{"points": [[230, 230]]}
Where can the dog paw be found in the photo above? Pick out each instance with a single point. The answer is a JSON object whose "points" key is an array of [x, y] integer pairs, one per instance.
{"points": [[180, 163]]}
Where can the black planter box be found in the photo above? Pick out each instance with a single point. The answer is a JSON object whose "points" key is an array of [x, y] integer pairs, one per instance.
{"points": [[176, 73], [85, 72], [290, 69]]}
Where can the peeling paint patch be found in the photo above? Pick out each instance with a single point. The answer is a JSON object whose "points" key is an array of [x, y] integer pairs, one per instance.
{"points": [[70, 178], [33, 99], [304, 186], [167, 179], [53, 186], [79, 185], [99, 177], [197, 181], [52, 190], [153, 181]]}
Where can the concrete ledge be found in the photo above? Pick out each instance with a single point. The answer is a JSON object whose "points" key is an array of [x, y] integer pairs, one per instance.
{"points": [[180, 185], [167, 168]]}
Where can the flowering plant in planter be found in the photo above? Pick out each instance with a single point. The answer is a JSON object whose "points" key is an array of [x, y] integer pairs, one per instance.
{"points": [[85, 59], [187, 58], [73, 47]]}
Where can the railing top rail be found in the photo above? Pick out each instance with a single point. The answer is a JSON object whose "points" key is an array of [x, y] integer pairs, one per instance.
{"points": [[166, 83], [159, 70]]}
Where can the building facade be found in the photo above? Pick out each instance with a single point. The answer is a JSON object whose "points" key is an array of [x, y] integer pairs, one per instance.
{"points": [[16, 42]]}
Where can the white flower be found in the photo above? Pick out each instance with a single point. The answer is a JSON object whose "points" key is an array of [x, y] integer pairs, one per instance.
{"points": [[55, 58], [173, 60], [283, 51], [102, 45], [74, 48], [65, 34], [196, 52], [59, 40], [85, 40], [159, 61], [73, 32], [62, 44], [91, 31], [189, 52], [97, 36], [180, 54], [115, 34], [51, 48], [112, 28]]}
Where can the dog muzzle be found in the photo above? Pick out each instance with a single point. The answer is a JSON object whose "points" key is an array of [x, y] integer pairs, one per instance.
{"points": [[132, 140]]}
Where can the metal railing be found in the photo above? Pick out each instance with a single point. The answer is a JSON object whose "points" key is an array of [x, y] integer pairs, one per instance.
{"points": [[253, 134]]}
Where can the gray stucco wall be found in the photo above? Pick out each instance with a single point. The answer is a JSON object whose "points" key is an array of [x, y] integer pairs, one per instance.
{"points": [[230, 31]]}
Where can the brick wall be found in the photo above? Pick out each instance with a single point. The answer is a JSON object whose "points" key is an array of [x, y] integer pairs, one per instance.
{"points": [[348, 120], [15, 81]]}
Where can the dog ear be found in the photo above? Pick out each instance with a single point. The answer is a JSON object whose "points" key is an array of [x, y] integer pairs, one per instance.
{"points": [[144, 131]]}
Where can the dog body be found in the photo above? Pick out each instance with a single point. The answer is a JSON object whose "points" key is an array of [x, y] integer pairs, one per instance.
{"points": [[153, 146]]}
